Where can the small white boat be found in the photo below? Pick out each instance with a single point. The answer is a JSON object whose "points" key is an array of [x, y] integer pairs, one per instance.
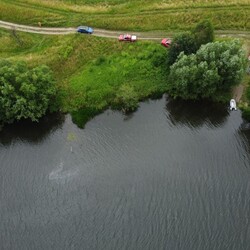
{"points": [[233, 104]]}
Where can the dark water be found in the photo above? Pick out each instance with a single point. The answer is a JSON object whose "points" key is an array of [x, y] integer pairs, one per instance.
{"points": [[173, 175]]}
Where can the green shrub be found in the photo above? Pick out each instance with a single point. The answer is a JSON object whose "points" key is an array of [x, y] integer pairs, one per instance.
{"points": [[126, 99], [203, 33], [190, 42], [183, 42], [214, 68], [24, 93], [83, 115]]}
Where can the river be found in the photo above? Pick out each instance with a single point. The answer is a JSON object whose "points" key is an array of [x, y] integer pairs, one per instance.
{"points": [[173, 175]]}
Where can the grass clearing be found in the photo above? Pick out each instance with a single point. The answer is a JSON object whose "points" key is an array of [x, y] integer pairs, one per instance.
{"points": [[128, 15]]}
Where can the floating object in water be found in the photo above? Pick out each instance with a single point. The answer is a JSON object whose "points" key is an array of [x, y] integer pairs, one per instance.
{"points": [[233, 104]]}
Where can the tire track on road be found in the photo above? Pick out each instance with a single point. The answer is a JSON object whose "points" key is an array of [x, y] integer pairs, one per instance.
{"points": [[150, 35]]}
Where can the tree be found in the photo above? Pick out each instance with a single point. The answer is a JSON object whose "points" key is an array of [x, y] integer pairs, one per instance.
{"points": [[215, 67], [203, 33], [183, 42], [190, 42], [24, 93]]}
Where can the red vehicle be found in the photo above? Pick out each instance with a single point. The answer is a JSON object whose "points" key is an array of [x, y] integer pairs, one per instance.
{"points": [[166, 42], [127, 37]]}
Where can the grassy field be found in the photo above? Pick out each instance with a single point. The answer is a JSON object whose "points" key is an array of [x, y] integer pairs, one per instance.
{"points": [[134, 15]]}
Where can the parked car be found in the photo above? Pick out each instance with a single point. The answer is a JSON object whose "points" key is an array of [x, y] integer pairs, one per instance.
{"points": [[166, 42], [85, 29], [127, 37]]}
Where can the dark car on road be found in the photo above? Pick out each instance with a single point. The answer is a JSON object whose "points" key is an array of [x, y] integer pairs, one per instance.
{"points": [[85, 29]]}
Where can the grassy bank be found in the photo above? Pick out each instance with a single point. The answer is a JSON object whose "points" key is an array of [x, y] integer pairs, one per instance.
{"points": [[90, 71], [128, 15], [139, 68]]}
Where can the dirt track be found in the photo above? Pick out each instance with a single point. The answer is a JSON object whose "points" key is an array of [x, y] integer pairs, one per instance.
{"points": [[65, 31], [151, 35]]}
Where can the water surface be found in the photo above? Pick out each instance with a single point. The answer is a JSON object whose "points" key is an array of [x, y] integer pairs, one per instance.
{"points": [[173, 175]]}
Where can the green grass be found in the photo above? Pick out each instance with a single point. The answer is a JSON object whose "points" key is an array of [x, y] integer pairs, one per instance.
{"points": [[138, 65], [129, 15], [89, 71], [18, 44]]}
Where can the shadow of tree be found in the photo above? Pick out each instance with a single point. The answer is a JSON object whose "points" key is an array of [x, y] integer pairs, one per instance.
{"points": [[196, 113], [33, 132]]}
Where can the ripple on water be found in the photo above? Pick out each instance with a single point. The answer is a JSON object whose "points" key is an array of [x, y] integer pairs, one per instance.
{"points": [[172, 176]]}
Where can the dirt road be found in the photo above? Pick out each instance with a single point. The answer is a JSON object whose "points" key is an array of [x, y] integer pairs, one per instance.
{"points": [[64, 31], [151, 35]]}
